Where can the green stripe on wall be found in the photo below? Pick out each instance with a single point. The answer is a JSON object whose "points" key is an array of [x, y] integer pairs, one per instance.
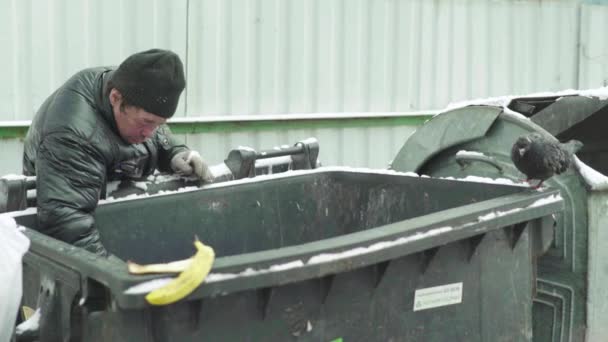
{"points": [[16, 132], [12, 132], [273, 125]]}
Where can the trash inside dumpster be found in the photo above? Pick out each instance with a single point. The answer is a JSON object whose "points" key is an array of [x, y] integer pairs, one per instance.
{"points": [[312, 255], [475, 141]]}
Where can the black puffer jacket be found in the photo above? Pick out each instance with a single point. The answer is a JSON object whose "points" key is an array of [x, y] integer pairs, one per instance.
{"points": [[74, 148]]}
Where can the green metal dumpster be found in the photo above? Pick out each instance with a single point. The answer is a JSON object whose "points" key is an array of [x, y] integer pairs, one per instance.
{"points": [[320, 255], [475, 141]]}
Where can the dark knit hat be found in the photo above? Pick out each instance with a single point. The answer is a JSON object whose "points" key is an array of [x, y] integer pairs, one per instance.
{"points": [[152, 80]]}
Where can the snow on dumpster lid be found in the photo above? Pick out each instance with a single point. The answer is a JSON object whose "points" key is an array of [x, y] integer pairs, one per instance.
{"points": [[504, 101]]}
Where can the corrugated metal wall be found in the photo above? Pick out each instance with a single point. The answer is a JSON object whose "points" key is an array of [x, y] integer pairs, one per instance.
{"points": [[353, 146], [593, 52], [44, 42], [357, 147], [300, 56]]}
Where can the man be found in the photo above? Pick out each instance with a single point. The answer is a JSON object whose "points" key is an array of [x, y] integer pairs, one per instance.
{"points": [[104, 124]]}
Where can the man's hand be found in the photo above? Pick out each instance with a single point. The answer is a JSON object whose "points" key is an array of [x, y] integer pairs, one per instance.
{"points": [[190, 163]]}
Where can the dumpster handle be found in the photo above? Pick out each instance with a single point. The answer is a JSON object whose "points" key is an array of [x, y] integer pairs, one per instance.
{"points": [[465, 160]]}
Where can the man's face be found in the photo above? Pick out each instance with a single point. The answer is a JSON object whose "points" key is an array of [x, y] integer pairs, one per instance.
{"points": [[135, 125]]}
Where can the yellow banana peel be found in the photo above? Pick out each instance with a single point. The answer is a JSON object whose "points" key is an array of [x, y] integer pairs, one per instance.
{"points": [[170, 267], [194, 273]]}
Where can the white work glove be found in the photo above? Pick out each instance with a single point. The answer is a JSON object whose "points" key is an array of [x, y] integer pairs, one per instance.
{"points": [[190, 163]]}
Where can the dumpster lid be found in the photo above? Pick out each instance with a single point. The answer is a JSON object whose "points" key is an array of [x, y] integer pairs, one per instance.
{"points": [[566, 112], [444, 131], [556, 113]]}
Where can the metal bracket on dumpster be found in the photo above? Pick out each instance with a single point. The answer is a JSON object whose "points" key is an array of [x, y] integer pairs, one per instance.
{"points": [[473, 243], [379, 272], [514, 232], [465, 160], [246, 162], [93, 296], [13, 192], [264, 297], [427, 257]]}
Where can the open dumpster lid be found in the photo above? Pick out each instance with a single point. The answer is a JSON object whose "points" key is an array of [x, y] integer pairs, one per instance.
{"points": [[563, 115]]}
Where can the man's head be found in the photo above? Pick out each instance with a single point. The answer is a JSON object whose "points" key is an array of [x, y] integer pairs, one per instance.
{"points": [[144, 92]]}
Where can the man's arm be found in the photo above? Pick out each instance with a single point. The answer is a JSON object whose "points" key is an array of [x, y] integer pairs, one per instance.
{"points": [[174, 156], [69, 176], [168, 147]]}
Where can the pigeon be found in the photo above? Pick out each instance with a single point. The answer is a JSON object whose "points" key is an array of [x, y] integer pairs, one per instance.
{"points": [[540, 158]]}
